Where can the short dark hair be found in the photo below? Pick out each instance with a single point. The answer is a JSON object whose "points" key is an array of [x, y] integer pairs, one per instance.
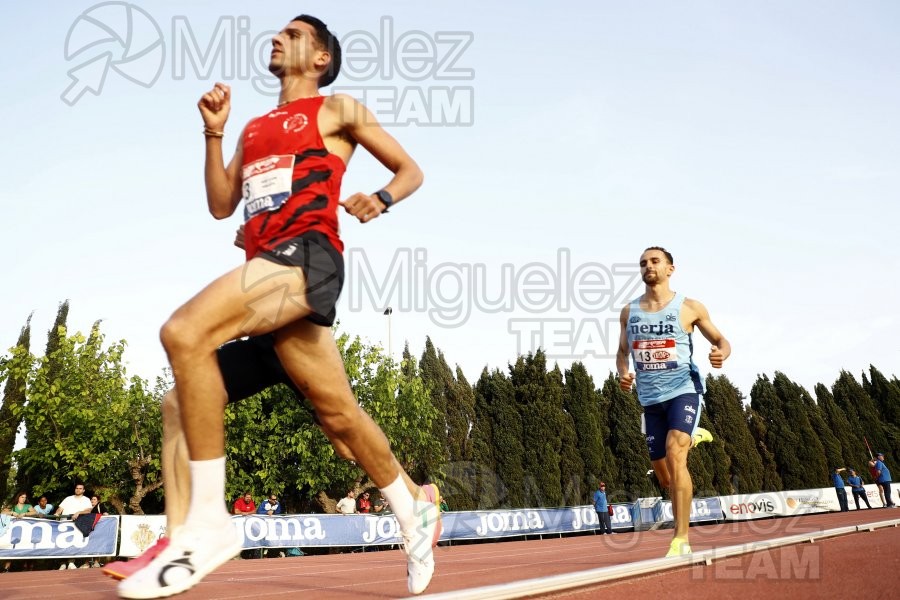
{"points": [[331, 45], [664, 251]]}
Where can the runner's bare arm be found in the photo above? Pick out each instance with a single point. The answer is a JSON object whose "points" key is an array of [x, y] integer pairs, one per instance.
{"points": [[626, 379], [721, 348], [223, 184], [360, 124]]}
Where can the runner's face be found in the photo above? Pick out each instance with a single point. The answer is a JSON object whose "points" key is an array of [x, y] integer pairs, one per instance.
{"points": [[655, 268], [295, 51]]}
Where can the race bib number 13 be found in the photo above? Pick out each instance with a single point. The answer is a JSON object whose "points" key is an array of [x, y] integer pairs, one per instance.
{"points": [[654, 355], [267, 184]]}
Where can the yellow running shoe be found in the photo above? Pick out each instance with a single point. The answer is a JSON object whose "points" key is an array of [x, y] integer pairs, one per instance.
{"points": [[701, 435], [679, 547]]}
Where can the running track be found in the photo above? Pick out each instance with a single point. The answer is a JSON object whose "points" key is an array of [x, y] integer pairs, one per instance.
{"points": [[864, 564]]}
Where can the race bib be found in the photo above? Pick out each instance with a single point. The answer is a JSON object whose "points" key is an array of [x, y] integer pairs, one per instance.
{"points": [[267, 184], [654, 355]]}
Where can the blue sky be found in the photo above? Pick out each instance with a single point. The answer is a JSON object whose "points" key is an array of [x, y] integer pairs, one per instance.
{"points": [[758, 141]]}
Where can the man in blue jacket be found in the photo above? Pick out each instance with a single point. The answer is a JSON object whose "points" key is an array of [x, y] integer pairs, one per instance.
{"points": [[270, 506], [883, 478], [839, 488], [856, 486], [602, 507]]}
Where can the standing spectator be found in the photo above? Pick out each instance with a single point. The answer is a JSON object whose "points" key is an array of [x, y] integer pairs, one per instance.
{"points": [[602, 507], [73, 506], [270, 506], [382, 507], [245, 505], [839, 486], [873, 471], [347, 504], [97, 511], [364, 505], [76, 503], [43, 509], [856, 486], [884, 478]]}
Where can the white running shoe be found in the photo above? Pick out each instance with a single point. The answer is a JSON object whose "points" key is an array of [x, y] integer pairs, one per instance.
{"points": [[192, 554], [419, 543]]}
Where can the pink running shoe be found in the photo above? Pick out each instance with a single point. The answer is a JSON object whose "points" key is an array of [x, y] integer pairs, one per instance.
{"points": [[125, 568]]}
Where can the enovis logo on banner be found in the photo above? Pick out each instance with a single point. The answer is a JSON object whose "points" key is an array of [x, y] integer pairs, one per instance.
{"points": [[797, 502]]}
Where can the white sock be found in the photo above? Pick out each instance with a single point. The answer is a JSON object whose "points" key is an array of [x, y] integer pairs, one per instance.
{"points": [[207, 492], [401, 502]]}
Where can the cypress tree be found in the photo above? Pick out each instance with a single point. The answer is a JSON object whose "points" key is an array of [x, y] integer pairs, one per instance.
{"points": [[508, 440], [14, 398], [853, 449], [861, 411], [488, 487], [808, 453], [725, 407], [628, 443], [780, 437], [54, 375], [582, 403], [541, 428], [771, 479], [886, 396]]}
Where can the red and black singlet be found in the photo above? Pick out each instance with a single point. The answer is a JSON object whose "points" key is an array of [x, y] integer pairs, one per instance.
{"points": [[291, 183]]}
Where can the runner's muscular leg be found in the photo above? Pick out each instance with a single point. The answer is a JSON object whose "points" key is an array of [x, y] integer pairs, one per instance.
{"points": [[309, 355], [176, 472], [257, 298], [678, 443]]}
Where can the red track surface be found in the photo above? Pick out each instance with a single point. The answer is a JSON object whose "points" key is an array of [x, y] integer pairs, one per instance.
{"points": [[865, 565]]}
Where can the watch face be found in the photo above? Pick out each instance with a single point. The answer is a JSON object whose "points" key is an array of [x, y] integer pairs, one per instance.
{"points": [[385, 197]]}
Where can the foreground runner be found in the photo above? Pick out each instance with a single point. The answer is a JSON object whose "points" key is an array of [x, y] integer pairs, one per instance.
{"points": [[287, 168], [248, 367], [656, 333]]}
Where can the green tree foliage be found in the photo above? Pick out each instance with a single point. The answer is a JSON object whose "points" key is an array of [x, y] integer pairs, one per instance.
{"points": [[853, 449], [541, 428], [461, 474], [861, 411], [759, 429], [487, 489], [780, 437], [438, 380], [886, 396], [725, 408], [582, 402], [53, 372], [571, 465], [834, 452], [507, 440], [87, 422], [14, 370], [274, 445], [628, 444]]}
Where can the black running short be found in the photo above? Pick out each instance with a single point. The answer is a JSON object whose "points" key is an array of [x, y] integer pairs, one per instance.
{"points": [[250, 365], [323, 267]]}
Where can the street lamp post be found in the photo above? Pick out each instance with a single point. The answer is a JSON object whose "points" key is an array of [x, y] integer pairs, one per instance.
{"points": [[388, 312]]}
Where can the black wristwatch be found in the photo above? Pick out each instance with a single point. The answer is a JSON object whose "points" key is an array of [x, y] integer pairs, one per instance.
{"points": [[385, 198]]}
